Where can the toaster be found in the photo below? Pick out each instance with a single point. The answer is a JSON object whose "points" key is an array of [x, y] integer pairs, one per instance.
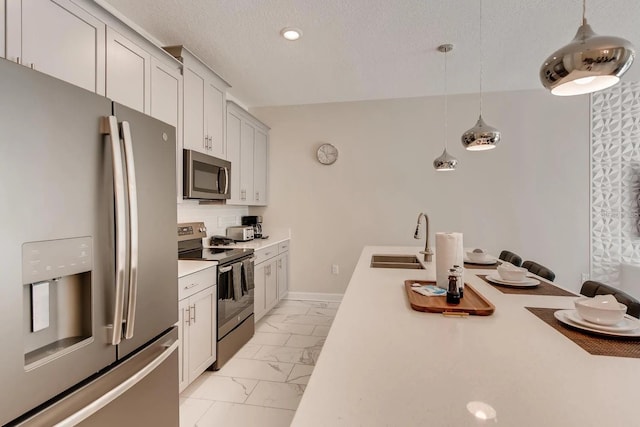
{"points": [[240, 233]]}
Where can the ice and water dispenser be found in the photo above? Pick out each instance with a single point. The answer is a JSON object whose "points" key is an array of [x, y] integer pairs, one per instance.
{"points": [[57, 317]]}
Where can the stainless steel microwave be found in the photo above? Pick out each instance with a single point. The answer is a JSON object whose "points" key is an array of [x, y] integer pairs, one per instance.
{"points": [[205, 177]]}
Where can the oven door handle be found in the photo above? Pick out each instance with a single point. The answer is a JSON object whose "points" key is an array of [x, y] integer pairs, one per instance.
{"points": [[225, 269]]}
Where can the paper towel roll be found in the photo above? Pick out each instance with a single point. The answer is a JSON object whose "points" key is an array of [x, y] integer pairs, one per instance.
{"points": [[449, 252]]}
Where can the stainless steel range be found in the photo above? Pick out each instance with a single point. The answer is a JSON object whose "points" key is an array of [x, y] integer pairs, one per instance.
{"points": [[235, 288]]}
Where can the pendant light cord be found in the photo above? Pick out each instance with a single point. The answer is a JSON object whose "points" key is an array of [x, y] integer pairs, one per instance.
{"points": [[445, 100], [480, 58], [584, 12]]}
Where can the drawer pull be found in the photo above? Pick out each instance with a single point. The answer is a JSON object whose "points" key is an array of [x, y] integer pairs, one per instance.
{"points": [[191, 286]]}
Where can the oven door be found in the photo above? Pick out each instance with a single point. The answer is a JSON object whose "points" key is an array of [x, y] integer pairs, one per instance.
{"points": [[235, 294], [205, 177]]}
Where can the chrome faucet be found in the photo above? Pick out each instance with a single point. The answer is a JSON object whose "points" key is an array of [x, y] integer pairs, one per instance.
{"points": [[428, 253]]}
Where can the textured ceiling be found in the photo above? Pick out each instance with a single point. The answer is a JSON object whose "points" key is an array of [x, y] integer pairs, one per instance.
{"points": [[374, 49]]}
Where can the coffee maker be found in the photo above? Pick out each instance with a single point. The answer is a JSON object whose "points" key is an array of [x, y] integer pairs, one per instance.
{"points": [[256, 222]]}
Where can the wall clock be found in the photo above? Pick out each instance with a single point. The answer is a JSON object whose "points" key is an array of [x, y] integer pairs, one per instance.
{"points": [[327, 154]]}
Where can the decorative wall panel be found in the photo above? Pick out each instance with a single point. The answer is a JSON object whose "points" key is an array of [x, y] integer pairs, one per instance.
{"points": [[615, 181]]}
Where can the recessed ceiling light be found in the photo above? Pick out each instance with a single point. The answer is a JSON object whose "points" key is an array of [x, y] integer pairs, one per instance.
{"points": [[290, 33]]}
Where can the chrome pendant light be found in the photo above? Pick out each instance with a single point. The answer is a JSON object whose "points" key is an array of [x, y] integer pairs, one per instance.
{"points": [[446, 162], [588, 64], [481, 136]]}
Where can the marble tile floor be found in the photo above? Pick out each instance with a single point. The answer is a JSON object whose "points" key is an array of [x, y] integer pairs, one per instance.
{"points": [[263, 383]]}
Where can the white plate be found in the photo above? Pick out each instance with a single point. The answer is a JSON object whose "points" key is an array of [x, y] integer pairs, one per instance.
{"points": [[528, 282], [628, 323], [563, 317], [489, 260]]}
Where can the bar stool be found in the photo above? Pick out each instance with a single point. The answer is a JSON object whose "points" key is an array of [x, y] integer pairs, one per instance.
{"points": [[591, 288], [511, 258], [539, 270]]}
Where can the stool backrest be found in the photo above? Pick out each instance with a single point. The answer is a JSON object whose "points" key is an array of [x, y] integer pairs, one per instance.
{"points": [[511, 257], [539, 269]]}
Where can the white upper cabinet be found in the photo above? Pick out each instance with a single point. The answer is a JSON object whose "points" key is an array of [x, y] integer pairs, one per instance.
{"points": [[260, 146], [3, 8], [247, 136], [248, 148], [214, 107], [58, 38], [234, 129], [204, 108], [128, 72], [194, 134], [166, 105], [166, 92]]}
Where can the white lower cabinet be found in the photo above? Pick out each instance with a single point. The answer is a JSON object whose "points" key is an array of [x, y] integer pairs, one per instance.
{"points": [[266, 291], [283, 275], [197, 324], [271, 277]]}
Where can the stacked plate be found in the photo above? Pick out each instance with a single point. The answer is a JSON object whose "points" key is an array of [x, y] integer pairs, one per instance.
{"points": [[488, 260], [628, 327], [527, 282]]}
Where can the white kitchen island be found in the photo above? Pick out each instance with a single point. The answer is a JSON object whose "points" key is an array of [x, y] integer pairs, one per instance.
{"points": [[384, 364]]}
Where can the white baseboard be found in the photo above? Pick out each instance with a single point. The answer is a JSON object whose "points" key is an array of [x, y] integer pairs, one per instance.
{"points": [[313, 296]]}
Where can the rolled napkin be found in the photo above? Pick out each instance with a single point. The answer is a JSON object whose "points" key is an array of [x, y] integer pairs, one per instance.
{"points": [[449, 252]]}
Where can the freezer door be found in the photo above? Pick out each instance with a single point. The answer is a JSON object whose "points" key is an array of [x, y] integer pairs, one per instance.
{"points": [[56, 255], [151, 304], [141, 391]]}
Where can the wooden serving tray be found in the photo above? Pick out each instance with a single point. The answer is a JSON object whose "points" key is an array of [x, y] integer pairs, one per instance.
{"points": [[473, 301]]}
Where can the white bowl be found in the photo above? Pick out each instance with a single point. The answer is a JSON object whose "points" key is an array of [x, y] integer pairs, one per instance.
{"points": [[510, 272], [477, 256], [601, 309]]}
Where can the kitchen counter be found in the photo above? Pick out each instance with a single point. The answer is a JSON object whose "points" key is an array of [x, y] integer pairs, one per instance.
{"points": [[186, 267], [384, 364], [256, 244]]}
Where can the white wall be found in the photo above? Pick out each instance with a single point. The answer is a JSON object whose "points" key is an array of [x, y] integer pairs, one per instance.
{"points": [[615, 187], [215, 217], [530, 195]]}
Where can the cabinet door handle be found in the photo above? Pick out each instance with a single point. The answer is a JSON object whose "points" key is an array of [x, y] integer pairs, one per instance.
{"points": [[188, 319], [194, 313]]}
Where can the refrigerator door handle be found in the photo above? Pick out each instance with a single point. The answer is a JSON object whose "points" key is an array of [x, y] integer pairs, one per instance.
{"points": [[133, 229], [109, 126], [116, 392]]}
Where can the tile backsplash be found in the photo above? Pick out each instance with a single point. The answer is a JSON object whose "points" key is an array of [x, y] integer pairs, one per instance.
{"points": [[615, 181], [215, 217]]}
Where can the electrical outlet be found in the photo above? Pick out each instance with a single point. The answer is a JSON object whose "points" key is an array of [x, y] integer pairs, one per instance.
{"points": [[335, 269]]}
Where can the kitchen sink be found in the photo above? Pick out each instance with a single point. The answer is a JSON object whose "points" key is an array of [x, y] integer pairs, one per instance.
{"points": [[396, 261]]}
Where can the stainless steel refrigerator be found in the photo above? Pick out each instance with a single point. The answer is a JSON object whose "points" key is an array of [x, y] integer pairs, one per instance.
{"points": [[88, 268]]}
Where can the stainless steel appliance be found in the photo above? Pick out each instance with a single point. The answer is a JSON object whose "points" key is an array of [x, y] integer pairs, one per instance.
{"points": [[240, 233], [205, 177], [254, 221], [89, 272], [235, 288]]}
